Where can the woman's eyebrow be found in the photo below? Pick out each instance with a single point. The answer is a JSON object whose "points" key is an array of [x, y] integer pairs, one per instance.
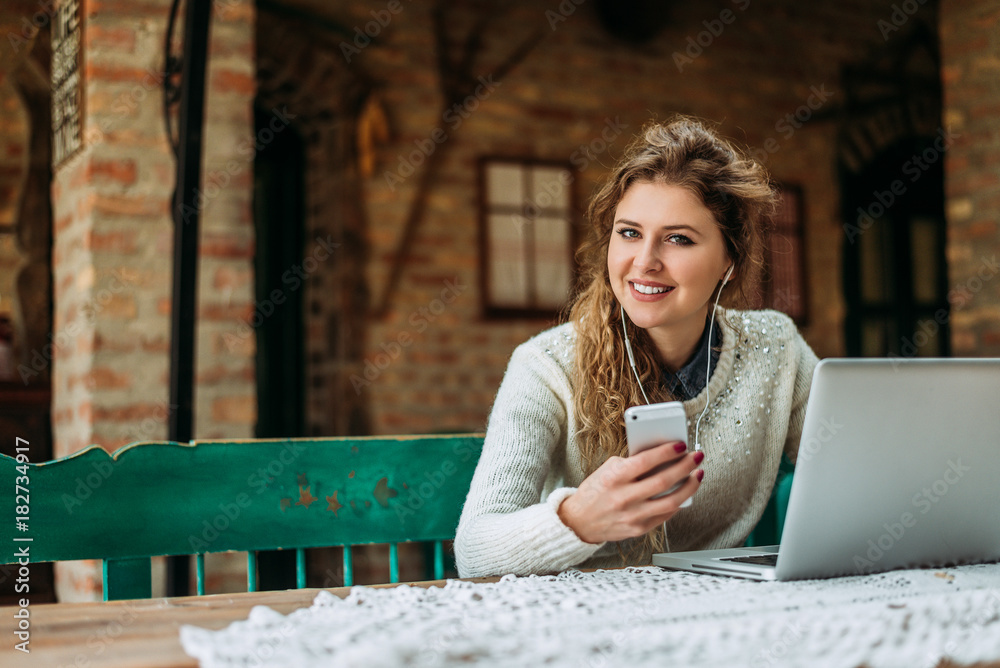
{"points": [[671, 228]]}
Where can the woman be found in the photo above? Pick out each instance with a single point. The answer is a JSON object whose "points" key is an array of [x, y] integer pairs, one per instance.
{"points": [[680, 222]]}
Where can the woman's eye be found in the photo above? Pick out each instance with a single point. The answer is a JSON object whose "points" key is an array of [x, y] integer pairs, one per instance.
{"points": [[679, 239], [629, 233]]}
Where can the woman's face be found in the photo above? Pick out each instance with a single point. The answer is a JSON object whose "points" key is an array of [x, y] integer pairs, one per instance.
{"points": [[665, 259]]}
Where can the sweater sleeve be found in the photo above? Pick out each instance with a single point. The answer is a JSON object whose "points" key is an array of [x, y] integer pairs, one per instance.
{"points": [[505, 525], [807, 362]]}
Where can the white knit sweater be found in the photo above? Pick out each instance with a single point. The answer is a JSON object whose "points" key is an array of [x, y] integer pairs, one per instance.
{"points": [[531, 458]]}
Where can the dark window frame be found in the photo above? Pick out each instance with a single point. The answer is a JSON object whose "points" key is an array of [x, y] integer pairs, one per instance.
{"points": [[491, 311]]}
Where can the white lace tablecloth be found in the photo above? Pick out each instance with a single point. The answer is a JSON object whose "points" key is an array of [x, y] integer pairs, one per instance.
{"points": [[631, 617]]}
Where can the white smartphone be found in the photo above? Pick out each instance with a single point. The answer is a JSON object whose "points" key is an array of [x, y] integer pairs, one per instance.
{"points": [[652, 425]]}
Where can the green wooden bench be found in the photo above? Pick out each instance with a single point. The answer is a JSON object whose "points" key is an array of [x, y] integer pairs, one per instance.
{"points": [[150, 499], [164, 498]]}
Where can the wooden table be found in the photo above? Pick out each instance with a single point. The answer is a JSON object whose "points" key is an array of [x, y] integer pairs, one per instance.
{"points": [[139, 633]]}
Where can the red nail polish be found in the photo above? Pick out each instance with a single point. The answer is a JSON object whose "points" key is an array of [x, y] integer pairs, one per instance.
{"points": [[698, 458], [680, 447], [700, 475]]}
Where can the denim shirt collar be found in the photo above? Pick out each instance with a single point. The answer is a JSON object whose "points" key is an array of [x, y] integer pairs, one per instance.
{"points": [[690, 379]]}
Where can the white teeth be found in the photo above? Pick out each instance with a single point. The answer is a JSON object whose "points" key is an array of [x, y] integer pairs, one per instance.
{"points": [[648, 289]]}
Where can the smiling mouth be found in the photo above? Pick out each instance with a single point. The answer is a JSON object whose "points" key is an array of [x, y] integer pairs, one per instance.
{"points": [[649, 289]]}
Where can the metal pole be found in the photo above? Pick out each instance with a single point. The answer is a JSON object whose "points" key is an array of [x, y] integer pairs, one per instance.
{"points": [[186, 216]]}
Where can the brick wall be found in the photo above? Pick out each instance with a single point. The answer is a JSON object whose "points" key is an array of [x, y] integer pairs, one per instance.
{"points": [[970, 42], [113, 244]]}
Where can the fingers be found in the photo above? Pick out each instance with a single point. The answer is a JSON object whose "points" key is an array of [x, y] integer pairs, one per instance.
{"points": [[617, 471], [663, 480], [646, 461], [664, 508], [654, 512], [616, 501]]}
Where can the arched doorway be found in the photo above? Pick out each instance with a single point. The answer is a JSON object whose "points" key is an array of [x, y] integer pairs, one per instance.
{"points": [[892, 147]]}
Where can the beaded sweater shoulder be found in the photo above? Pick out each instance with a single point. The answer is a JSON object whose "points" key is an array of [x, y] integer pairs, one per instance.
{"points": [[531, 458]]}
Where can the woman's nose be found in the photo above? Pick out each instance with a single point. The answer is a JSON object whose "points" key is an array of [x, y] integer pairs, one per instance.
{"points": [[647, 258]]}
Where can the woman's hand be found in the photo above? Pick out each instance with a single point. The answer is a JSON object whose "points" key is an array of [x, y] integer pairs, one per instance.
{"points": [[616, 501]]}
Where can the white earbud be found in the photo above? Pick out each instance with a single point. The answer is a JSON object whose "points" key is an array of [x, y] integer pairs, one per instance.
{"points": [[729, 273]]}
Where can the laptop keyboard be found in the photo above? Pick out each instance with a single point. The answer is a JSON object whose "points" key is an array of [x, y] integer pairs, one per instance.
{"points": [[757, 560]]}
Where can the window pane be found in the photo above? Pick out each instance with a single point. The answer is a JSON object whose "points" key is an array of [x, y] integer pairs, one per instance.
{"points": [[550, 189], [508, 264], [526, 214], [10, 260], [924, 257], [873, 338], [552, 261], [504, 185], [927, 344], [875, 261]]}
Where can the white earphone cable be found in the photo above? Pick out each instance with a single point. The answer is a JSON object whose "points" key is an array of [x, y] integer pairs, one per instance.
{"points": [[631, 358], [708, 363]]}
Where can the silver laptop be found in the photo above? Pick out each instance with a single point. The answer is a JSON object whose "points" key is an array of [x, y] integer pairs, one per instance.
{"points": [[898, 466]]}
